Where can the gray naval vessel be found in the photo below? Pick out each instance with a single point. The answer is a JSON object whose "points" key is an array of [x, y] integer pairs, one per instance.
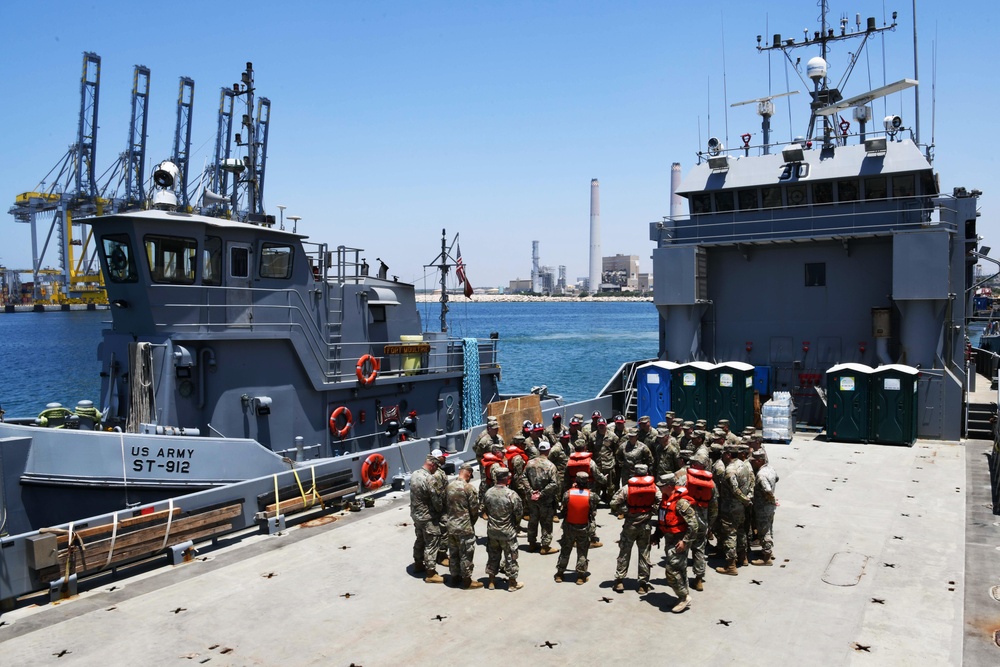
{"points": [[884, 554]]}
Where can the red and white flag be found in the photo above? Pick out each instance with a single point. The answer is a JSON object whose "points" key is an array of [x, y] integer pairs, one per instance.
{"points": [[460, 272]]}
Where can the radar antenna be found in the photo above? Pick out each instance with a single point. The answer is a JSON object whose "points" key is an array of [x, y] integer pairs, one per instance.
{"points": [[765, 109]]}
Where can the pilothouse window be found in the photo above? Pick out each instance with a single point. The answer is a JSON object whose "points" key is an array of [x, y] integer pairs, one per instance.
{"points": [[275, 261], [121, 261], [171, 259], [212, 260]]}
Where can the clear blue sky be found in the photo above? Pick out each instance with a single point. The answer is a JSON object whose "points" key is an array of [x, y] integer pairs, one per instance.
{"points": [[393, 120]]}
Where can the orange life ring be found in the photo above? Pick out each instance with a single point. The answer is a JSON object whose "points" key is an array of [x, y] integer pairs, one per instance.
{"points": [[348, 421], [370, 377], [373, 472]]}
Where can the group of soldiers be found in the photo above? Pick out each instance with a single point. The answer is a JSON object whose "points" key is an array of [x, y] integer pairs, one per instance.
{"points": [[678, 482]]}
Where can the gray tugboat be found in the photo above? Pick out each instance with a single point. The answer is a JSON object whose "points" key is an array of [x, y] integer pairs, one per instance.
{"points": [[236, 350], [837, 247]]}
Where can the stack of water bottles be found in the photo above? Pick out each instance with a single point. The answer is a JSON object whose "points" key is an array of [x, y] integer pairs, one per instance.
{"points": [[778, 418]]}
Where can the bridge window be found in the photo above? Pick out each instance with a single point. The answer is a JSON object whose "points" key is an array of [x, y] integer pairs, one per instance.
{"points": [[239, 262], [847, 191], [904, 185], [275, 261], [928, 183], [171, 259], [120, 259], [875, 188], [823, 193], [748, 200], [796, 195], [724, 201], [701, 203], [771, 197], [211, 257]]}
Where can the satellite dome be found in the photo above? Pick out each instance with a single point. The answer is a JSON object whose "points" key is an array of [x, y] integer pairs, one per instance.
{"points": [[816, 68]]}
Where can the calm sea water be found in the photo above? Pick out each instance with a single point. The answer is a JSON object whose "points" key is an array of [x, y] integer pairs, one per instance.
{"points": [[573, 348]]}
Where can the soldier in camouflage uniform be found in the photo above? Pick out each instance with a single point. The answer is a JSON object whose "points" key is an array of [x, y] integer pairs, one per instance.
{"points": [[604, 444], [591, 426], [731, 438], [707, 513], [736, 494], [678, 525], [426, 508], [764, 504], [665, 455], [490, 436], [637, 509], [553, 432], [575, 432], [647, 434], [486, 480], [718, 469], [537, 437], [579, 507], [630, 452], [543, 480], [559, 454], [461, 513], [504, 509], [442, 479]]}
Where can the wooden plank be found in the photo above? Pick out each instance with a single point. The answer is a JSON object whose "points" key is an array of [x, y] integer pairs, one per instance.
{"points": [[293, 506], [123, 524], [512, 412]]}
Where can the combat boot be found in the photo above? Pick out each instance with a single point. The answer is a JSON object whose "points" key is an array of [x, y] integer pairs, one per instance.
{"points": [[433, 577], [468, 583], [741, 560], [596, 544], [730, 569], [546, 550], [699, 584], [512, 585], [682, 605], [619, 586], [765, 559], [581, 579], [643, 589], [492, 583], [558, 577], [444, 562], [418, 568]]}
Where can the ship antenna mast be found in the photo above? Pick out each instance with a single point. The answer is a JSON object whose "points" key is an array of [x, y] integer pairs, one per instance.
{"points": [[443, 265]]}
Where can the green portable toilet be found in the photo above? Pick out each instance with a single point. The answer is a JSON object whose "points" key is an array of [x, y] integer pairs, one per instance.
{"points": [[848, 403], [730, 394], [689, 390], [894, 404]]}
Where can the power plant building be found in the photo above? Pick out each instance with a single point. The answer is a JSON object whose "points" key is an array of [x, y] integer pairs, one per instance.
{"points": [[621, 271]]}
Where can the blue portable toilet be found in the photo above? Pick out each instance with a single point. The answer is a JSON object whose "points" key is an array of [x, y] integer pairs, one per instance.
{"points": [[653, 389]]}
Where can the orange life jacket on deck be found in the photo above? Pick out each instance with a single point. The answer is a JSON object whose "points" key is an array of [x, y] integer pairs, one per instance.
{"points": [[670, 522], [641, 494], [489, 460], [578, 462], [514, 451], [578, 507], [700, 486]]}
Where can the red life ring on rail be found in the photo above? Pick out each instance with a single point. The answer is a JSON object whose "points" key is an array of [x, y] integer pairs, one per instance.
{"points": [[370, 377], [348, 421], [373, 472]]}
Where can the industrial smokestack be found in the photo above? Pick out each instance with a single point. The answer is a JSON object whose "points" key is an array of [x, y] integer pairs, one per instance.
{"points": [[595, 236], [536, 278], [676, 201]]}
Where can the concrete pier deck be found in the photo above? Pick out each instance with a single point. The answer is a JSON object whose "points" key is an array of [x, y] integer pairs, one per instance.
{"points": [[870, 544]]}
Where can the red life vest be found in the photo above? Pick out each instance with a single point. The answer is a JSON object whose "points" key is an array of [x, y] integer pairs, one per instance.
{"points": [[514, 451], [671, 522], [700, 486], [489, 460], [578, 462], [578, 507], [641, 494]]}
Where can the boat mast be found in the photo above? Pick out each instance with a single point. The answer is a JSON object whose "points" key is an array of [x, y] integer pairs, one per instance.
{"points": [[443, 267]]}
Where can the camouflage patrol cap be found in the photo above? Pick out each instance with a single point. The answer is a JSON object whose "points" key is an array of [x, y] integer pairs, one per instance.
{"points": [[579, 446], [759, 455], [666, 479], [749, 430], [686, 453], [578, 417], [742, 449], [641, 469], [632, 431], [465, 466], [718, 433], [669, 414], [699, 459], [688, 424], [663, 425], [716, 447], [723, 422], [662, 432], [698, 434], [518, 438], [582, 476], [677, 421], [644, 419], [496, 447], [701, 422], [731, 449], [492, 423], [433, 459], [500, 473]]}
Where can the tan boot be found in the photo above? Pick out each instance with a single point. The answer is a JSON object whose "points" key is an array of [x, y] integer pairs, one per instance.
{"points": [[699, 584], [468, 583], [433, 578], [741, 560], [596, 544], [619, 586], [558, 577], [765, 559], [546, 550], [512, 585], [682, 605], [492, 583], [730, 569], [581, 579], [444, 562]]}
